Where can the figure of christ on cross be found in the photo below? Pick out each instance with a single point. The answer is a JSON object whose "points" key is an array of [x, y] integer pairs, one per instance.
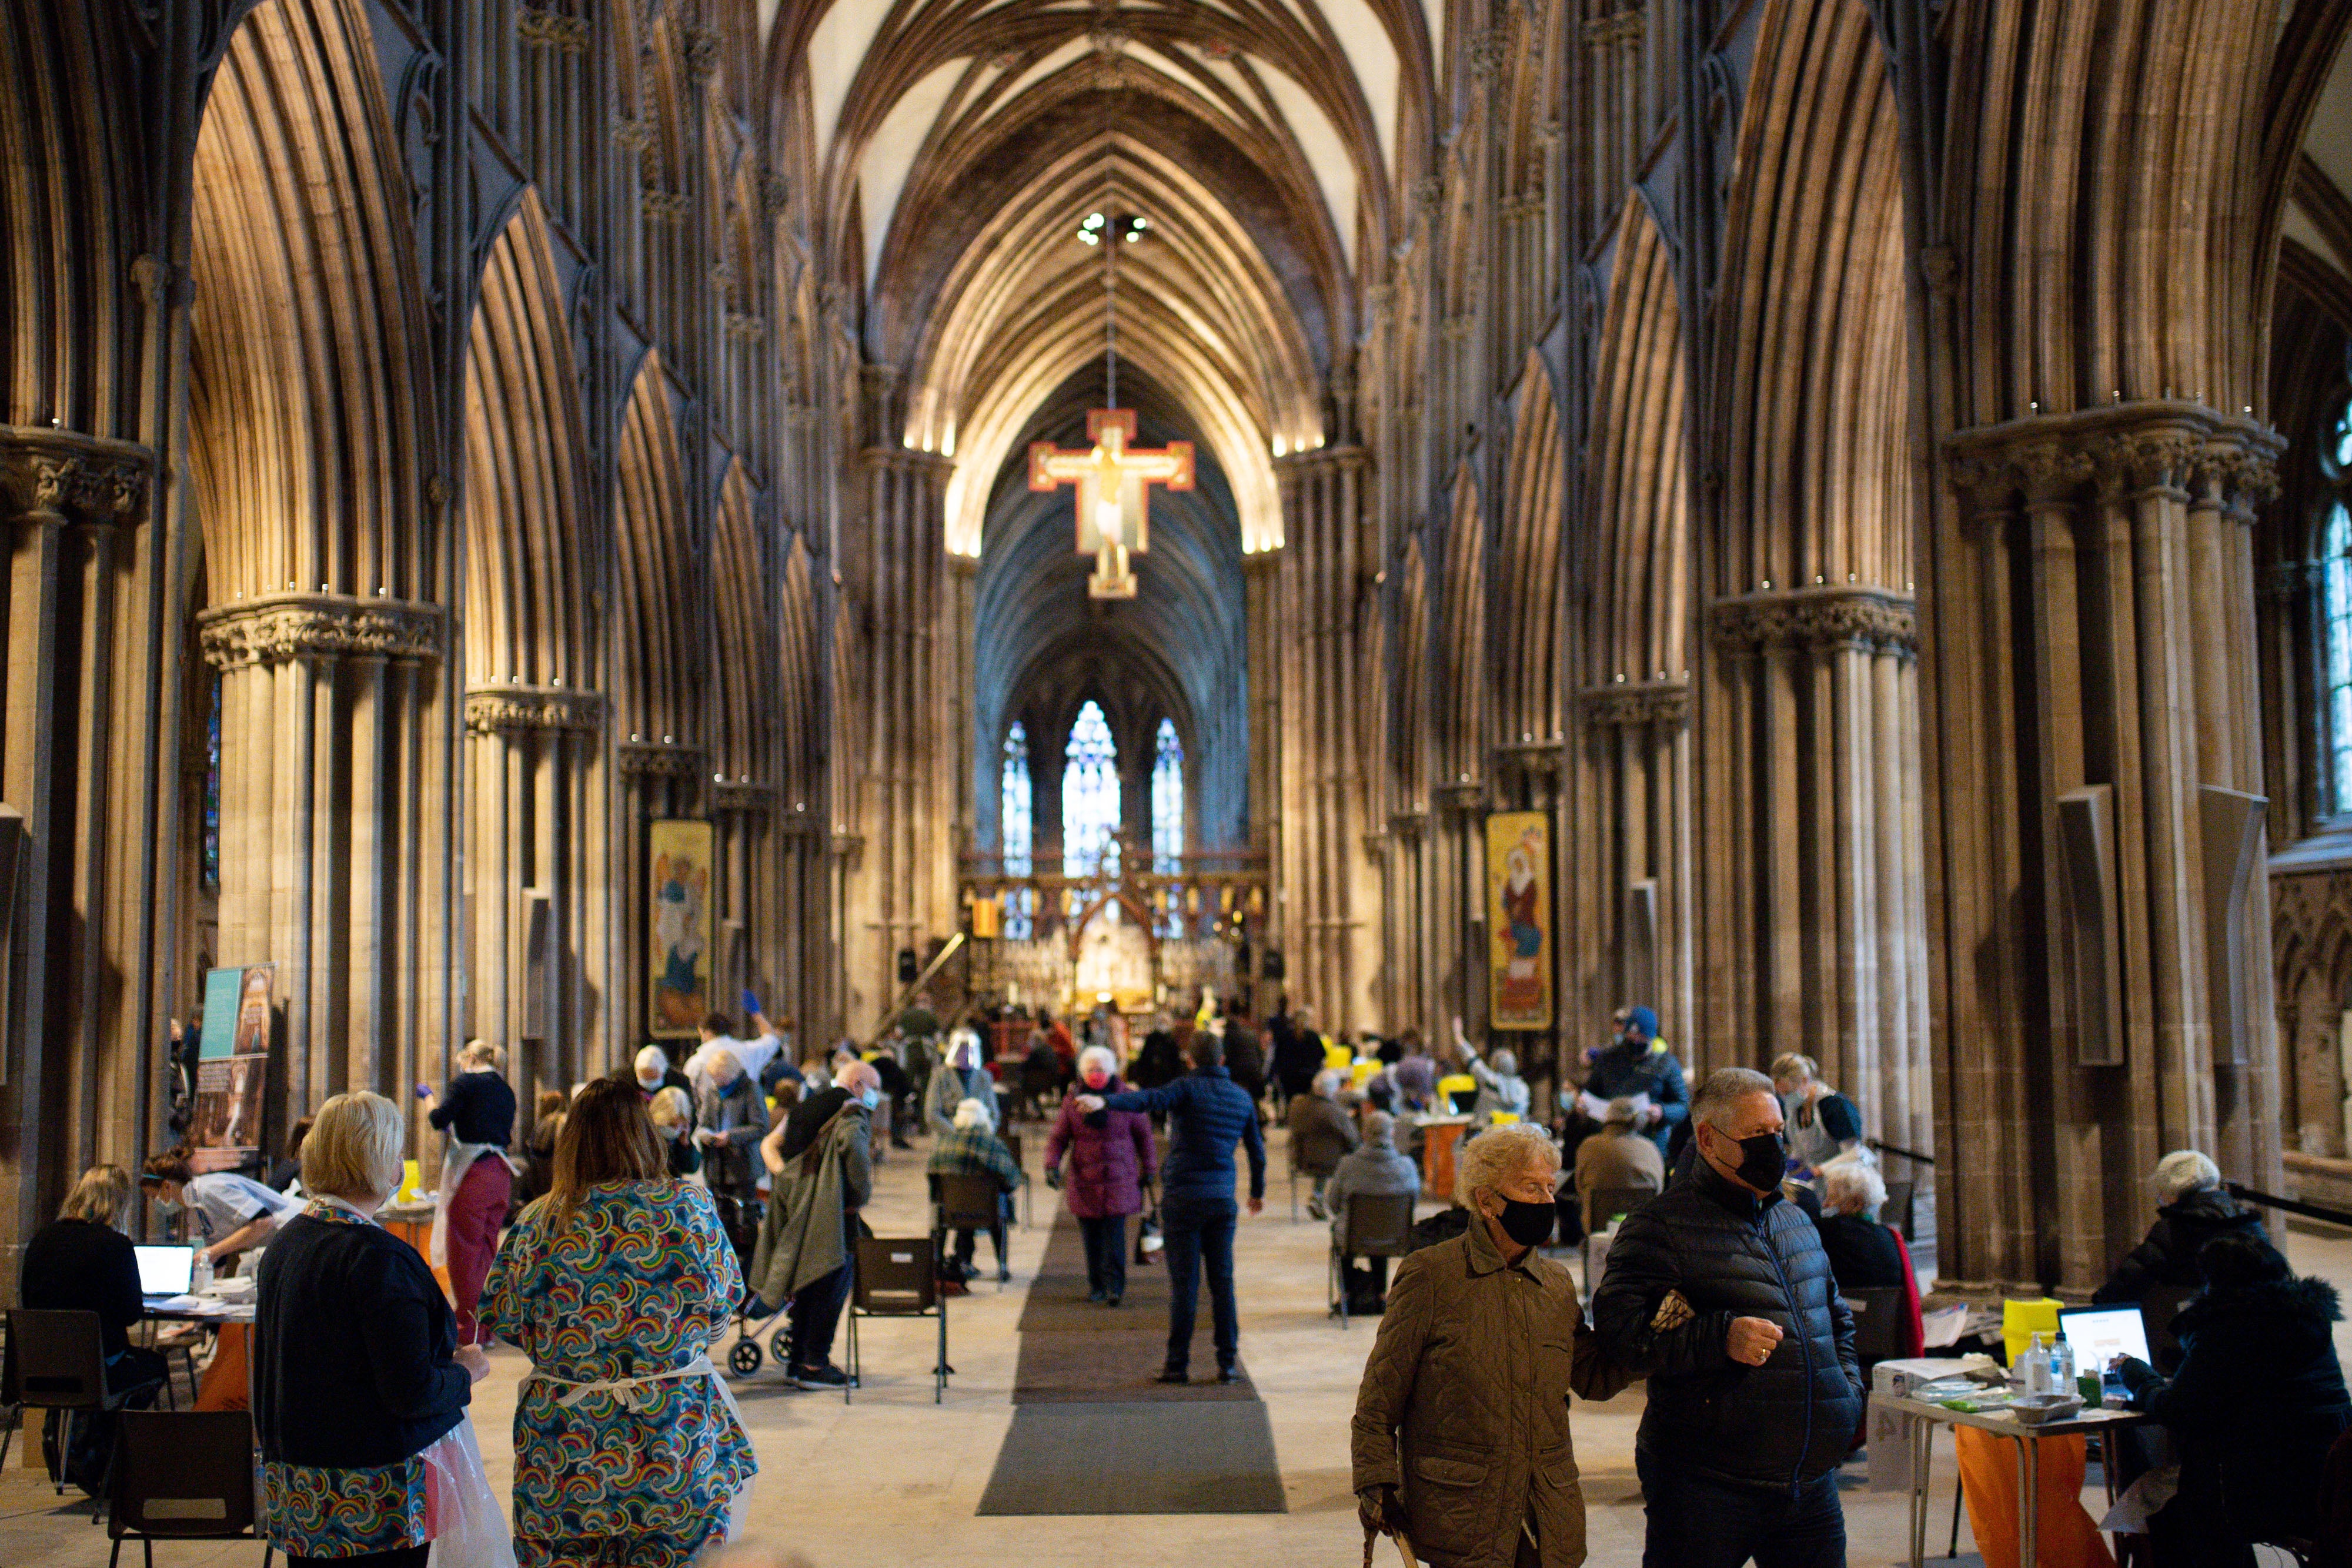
{"points": [[1113, 522]]}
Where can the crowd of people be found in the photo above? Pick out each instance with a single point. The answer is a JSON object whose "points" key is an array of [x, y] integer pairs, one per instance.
{"points": [[615, 1240]]}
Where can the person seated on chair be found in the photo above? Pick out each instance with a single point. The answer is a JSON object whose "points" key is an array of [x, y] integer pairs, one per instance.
{"points": [[1321, 1133], [1374, 1170], [971, 1148], [673, 1117], [2255, 1406], [2190, 1210], [1617, 1157], [81, 1261], [1863, 1254]]}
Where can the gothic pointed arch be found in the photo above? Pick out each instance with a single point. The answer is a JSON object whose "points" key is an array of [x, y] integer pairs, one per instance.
{"points": [[1461, 724], [535, 714], [1526, 645], [311, 414]]}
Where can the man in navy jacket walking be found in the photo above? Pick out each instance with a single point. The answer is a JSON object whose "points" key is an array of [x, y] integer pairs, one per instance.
{"points": [[1197, 1211]]}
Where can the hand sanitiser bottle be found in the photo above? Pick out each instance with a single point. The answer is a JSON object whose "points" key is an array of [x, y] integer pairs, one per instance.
{"points": [[2036, 1367], [2061, 1365]]}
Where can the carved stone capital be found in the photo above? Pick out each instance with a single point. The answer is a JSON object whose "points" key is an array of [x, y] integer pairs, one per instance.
{"points": [[2135, 448], [648, 760], [1464, 795], [1490, 51], [746, 325], [743, 795], [702, 48], [1407, 827], [633, 135], [1817, 618], [548, 29], [664, 206], [287, 626], [1637, 705], [522, 710], [65, 475]]}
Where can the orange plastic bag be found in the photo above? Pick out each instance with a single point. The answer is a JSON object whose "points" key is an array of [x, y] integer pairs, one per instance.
{"points": [[2068, 1538]]}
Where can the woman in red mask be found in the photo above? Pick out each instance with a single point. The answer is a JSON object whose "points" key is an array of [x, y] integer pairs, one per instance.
{"points": [[1112, 1158]]}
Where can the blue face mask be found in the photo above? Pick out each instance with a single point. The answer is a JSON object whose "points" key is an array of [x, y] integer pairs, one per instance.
{"points": [[870, 1098]]}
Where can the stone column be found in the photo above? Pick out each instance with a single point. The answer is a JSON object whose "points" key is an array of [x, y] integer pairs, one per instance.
{"points": [[535, 777], [1627, 859], [1811, 857], [66, 499], [2091, 630], [1331, 888], [902, 888], [319, 715]]}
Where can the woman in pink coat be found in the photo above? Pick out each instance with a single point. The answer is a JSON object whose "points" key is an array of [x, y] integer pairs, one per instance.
{"points": [[1112, 1158]]}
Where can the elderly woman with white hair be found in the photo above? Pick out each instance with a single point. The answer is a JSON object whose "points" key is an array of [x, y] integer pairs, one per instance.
{"points": [[2191, 1209], [1322, 1133], [958, 1077], [1461, 1431], [1863, 1254], [971, 1148], [1112, 1160]]}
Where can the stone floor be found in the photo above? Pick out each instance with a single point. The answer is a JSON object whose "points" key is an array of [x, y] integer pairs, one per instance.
{"points": [[895, 1479]]}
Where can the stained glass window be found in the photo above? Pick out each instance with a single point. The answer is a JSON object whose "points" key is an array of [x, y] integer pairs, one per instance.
{"points": [[1168, 824], [1020, 826], [1090, 797], [211, 855], [1167, 801], [2335, 612]]}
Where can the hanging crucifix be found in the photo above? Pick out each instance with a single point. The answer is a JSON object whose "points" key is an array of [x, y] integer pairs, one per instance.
{"points": [[1113, 521]]}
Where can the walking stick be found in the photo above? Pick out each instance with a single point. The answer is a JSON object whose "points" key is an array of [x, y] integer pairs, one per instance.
{"points": [[1403, 1546]]}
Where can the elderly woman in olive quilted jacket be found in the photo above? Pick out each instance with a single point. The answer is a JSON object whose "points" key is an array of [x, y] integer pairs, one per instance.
{"points": [[1461, 1436]]}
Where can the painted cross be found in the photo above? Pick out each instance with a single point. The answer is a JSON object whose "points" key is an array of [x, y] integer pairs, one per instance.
{"points": [[1111, 478]]}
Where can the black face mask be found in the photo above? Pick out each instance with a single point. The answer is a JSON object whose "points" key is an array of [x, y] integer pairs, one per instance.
{"points": [[1529, 1224], [1762, 1160]]}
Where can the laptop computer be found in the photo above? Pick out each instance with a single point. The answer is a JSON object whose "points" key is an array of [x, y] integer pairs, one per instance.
{"points": [[165, 1272], [2100, 1334]]}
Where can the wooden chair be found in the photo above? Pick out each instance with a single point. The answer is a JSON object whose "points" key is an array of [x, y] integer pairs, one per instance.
{"points": [[183, 1477], [898, 1278], [1380, 1224]]}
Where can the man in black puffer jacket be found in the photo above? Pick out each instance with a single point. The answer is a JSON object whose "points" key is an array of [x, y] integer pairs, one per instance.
{"points": [[1721, 1292]]}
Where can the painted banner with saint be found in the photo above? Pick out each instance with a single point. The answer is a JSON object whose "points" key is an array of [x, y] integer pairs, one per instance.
{"points": [[1519, 915], [679, 851], [232, 1067]]}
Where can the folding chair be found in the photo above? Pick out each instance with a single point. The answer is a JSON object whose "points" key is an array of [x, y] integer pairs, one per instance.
{"points": [[183, 1476], [1013, 1144], [898, 1278], [1602, 1206], [56, 1361], [1897, 1211], [966, 1202], [1877, 1323], [1380, 1224]]}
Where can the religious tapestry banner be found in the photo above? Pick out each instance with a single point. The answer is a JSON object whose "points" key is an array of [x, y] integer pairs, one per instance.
{"points": [[232, 1067], [1520, 913], [680, 851]]}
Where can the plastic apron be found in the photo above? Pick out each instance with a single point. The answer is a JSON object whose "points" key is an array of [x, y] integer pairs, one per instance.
{"points": [[454, 1164]]}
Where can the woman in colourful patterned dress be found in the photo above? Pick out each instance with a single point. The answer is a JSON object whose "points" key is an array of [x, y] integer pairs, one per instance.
{"points": [[616, 1283], [356, 1369]]}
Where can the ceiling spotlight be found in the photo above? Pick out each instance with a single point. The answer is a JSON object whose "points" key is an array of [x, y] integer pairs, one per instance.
{"points": [[1094, 221]]}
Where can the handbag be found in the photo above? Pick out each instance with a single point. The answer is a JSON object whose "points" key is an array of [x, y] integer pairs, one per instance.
{"points": [[1146, 1236]]}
